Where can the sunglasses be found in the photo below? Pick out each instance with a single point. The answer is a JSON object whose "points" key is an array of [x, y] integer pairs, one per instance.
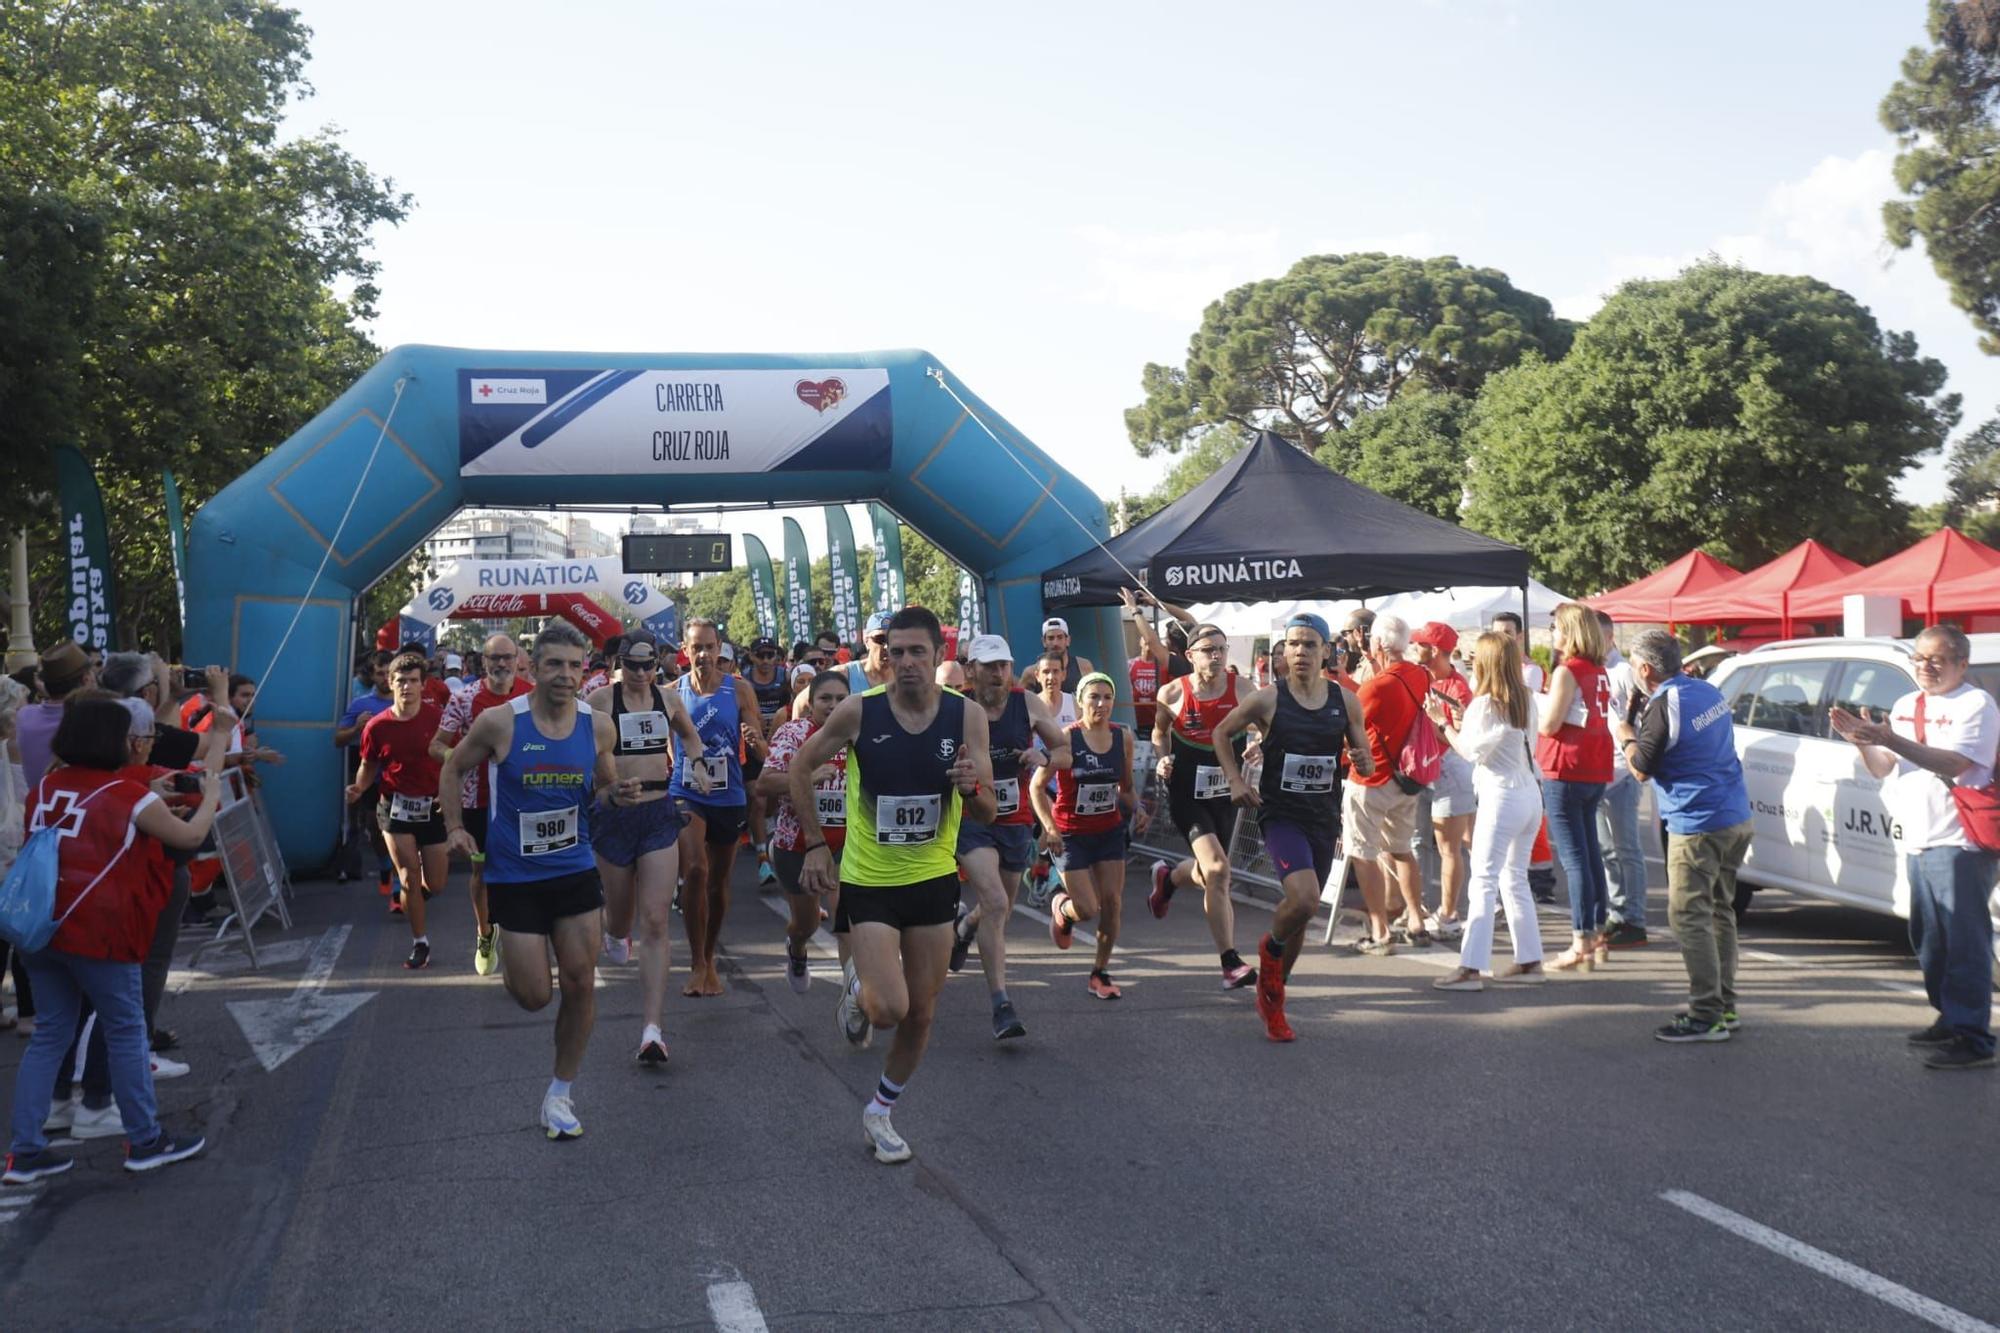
{"points": [[646, 664]]}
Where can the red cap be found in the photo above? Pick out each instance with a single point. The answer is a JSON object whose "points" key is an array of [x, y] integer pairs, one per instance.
{"points": [[1436, 634]]}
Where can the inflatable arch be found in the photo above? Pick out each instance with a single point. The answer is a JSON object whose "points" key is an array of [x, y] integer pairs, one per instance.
{"points": [[431, 429], [492, 589]]}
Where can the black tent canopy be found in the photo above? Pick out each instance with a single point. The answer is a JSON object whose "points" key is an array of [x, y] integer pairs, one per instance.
{"points": [[1272, 524]]}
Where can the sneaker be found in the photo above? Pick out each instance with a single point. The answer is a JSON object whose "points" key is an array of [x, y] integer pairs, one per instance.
{"points": [[1444, 927], [882, 1137], [486, 953], [1040, 886], [1006, 1023], [382, 884], [617, 952], [162, 1039], [395, 904], [1375, 948], [165, 1067], [25, 1168], [795, 972], [1961, 1054], [62, 1115], [766, 872], [1729, 1019], [1625, 935], [1238, 976], [420, 956], [1271, 998], [1937, 1034], [1684, 1028], [1163, 890], [559, 1119], [961, 943], [652, 1052], [103, 1122], [1061, 931], [1101, 985], [164, 1150], [854, 1024]]}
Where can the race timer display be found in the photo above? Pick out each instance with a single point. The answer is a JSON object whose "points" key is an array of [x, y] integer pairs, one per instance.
{"points": [[679, 553]]}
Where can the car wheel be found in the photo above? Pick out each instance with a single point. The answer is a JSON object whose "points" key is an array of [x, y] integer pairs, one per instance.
{"points": [[1742, 904]]}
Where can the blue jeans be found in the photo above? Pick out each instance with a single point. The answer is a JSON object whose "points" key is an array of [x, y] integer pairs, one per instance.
{"points": [[1572, 812], [62, 981], [1619, 816], [1952, 933]]}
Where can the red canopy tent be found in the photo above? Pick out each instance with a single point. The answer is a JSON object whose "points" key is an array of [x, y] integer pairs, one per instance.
{"points": [[1770, 591], [1971, 595], [1658, 596], [1913, 575]]}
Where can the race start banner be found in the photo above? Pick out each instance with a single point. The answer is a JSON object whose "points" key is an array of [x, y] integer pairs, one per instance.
{"points": [[971, 604], [92, 615], [844, 573], [888, 559], [763, 588], [517, 423], [798, 584], [479, 588]]}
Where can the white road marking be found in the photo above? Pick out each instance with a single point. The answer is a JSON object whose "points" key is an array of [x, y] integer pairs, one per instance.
{"points": [[733, 1307], [1081, 932], [15, 1200], [1881, 1288], [1899, 987], [277, 1030]]}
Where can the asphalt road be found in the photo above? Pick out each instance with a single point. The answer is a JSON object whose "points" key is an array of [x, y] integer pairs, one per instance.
{"points": [[1416, 1159]]}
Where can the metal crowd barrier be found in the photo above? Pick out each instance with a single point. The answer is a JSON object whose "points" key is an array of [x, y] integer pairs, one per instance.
{"points": [[253, 869]]}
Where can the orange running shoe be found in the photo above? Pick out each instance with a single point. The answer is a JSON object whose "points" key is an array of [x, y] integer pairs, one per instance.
{"points": [[1271, 994]]}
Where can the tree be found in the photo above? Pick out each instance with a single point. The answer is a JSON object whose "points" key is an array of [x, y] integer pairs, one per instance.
{"points": [[178, 287], [1975, 473], [1736, 411], [1945, 114], [1412, 450], [1305, 354], [930, 577], [1214, 448]]}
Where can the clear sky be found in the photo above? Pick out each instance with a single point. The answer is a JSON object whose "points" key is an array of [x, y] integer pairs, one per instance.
{"points": [[1046, 196]]}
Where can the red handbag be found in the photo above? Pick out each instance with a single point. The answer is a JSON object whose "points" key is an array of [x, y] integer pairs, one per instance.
{"points": [[1978, 807]]}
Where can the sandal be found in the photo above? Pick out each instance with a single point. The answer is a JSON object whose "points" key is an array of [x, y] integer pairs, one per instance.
{"points": [[1463, 978]]}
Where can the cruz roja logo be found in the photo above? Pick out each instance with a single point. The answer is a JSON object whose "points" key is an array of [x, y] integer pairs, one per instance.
{"points": [[441, 599]]}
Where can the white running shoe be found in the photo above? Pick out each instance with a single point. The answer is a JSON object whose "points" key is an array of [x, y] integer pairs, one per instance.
{"points": [[617, 951], [1444, 927], [853, 1018], [165, 1067], [559, 1118], [62, 1114], [103, 1123], [882, 1136]]}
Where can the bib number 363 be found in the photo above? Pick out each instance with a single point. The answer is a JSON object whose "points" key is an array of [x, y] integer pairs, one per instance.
{"points": [[546, 831], [1306, 773], [906, 820]]}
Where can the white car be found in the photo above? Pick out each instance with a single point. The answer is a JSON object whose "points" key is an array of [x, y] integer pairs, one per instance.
{"points": [[1818, 823]]}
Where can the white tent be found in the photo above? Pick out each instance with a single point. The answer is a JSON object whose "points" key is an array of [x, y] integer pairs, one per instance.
{"points": [[1466, 608]]}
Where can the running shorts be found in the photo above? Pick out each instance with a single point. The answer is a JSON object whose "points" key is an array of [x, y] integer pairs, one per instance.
{"points": [[1014, 842], [931, 902], [621, 834], [1293, 848], [1215, 817], [429, 833], [532, 907], [1081, 851], [474, 820], [721, 824]]}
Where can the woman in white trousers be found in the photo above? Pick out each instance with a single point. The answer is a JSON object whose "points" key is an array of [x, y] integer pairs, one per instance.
{"points": [[1493, 735]]}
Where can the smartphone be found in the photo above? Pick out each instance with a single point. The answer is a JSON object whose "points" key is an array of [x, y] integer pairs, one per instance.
{"points": [[187, 783]]}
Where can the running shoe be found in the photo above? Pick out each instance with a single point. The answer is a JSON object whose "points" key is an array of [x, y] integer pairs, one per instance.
{"points": [[795, 971], [1007, 1024], [395, 904], [164, 1150], [1271, 994], [652, 1052], [1061, 930], [62, 1115], [882, 1136], [766, 872], [1102, 986], [1625, 935], [420, 956], [25, 1168], [382, 884], [1163, 890], [1730, 1020], [1444, 927], [559, 1118], [616, 950], [1961, 1054], [1937, 1034], [102, 1122], [1238, 975], [165, 1068], [854, 1024], [1684, 1029], [485, 953], [961, 943]]}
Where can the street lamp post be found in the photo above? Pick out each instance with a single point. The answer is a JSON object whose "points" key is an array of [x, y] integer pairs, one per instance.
{"points": [[21, 631]]}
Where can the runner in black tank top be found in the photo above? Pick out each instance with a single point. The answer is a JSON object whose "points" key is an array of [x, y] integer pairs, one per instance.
{"points": [[1307, 720], [774, 698]]}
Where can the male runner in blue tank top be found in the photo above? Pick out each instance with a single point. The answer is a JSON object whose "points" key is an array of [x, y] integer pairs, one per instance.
{"points": [[548, 750], [724, 710], [917, 764], [1306, 720]]}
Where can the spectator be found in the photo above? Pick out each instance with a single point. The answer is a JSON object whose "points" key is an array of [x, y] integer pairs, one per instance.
{"points": [[13, 797], [110, 888], [1509, 624], [1618, 814], [1445, 809], [65, 670], [1379, 809], [454, 674], [1574, 750], [346, 736], [1940, 742], [1354, 636], [1686, 745]]}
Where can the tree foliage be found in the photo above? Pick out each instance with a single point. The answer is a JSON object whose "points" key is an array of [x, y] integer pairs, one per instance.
{"points": [[1304, 355], [1945, 114], [1412, 450], [1202, 459], [1974, 483], [178, 286], [726, 597], [1736, 411]]}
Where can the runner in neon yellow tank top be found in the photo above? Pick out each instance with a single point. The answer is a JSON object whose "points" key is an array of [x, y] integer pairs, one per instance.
{"points": [[917, 762]]}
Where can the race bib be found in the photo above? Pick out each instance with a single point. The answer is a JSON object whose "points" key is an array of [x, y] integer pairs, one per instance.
{"points": [[546, 831], [715, 767], [642, 731], [907, 820], [410, 809], [830, 806], [1096, 798], [1007, 795], [1307, 773], [1209, 783]]}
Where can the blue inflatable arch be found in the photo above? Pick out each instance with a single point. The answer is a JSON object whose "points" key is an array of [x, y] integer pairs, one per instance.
{"points": [[539, 428]]}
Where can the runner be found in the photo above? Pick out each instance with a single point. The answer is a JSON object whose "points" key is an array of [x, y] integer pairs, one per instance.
{"points": [[396, 745], [1198, 793], [1055, 643], [1306, 720], [993, 854], [1045, 683], [347, 734], [638, 843], [873, 669], [500, 684], [548, 750], [769, 683], [917, 764], [724, 709], [1084, 828], [829, 797]]}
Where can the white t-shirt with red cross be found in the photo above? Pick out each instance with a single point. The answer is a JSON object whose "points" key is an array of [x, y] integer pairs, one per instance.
{"points": [[1964, 721]]}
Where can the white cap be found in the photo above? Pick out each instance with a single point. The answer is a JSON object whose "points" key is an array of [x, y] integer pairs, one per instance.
{"points": [[452, 662], [804, 671], [1055, 623], [728, 653], [989, 648]]}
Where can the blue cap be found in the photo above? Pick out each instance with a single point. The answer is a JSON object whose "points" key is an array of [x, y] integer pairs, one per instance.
{"points": [[1307, 620], [878, 621]]}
